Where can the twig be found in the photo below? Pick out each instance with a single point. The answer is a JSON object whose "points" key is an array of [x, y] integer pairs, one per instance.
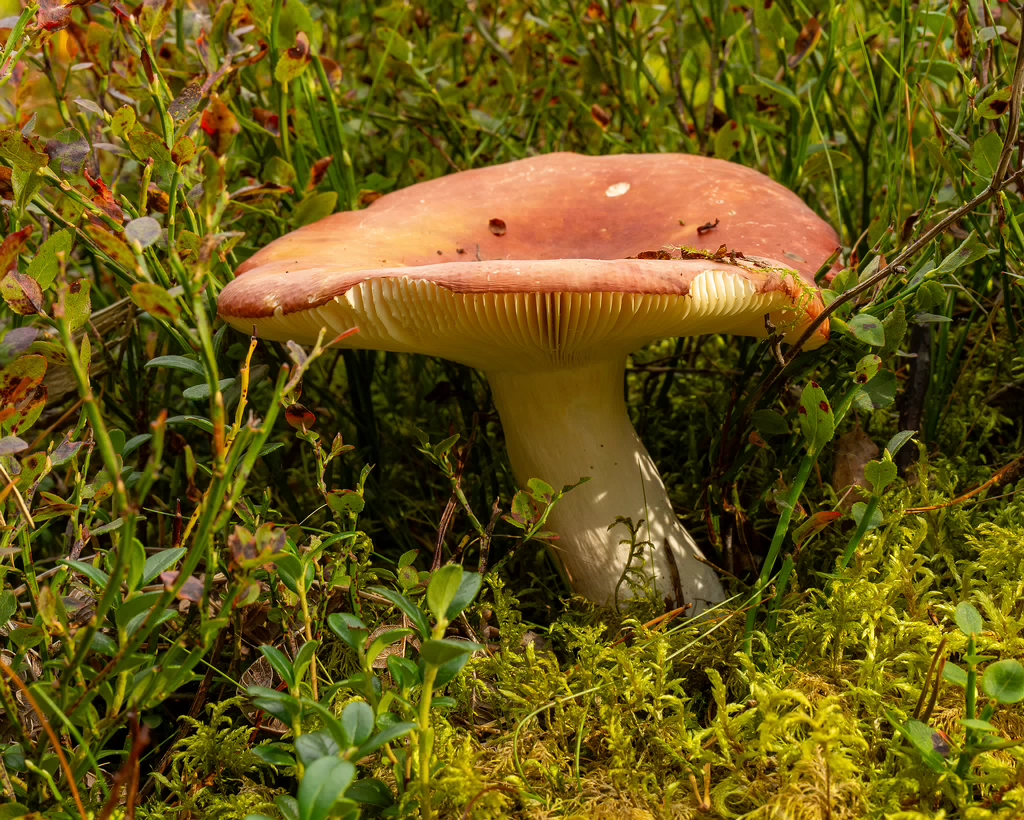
{"points": [[1008, 473]]}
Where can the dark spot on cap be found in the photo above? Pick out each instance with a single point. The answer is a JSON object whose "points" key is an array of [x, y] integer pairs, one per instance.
{"points": [[497, 227]]}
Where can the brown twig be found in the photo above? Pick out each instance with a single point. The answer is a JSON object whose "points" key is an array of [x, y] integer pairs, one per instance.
{"points": [[1008, 473]]}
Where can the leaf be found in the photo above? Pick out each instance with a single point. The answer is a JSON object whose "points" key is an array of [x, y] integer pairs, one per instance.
{"points": [[970, 250], [389, 734], [156, 301], [220, 125], [314, 208], [443, 587], [274, 754], [384, 640], [880, 473], [294, 61], [896, 443], [276, 658], [985, 154], [879, 392], [12, 247], [199, 392], [123, 121], [769, 423], [922, 738], [67, 150], [968, 619], [186, 102], [860, 509], [349, 628], [417, 617], [45, 261], [8, 606], [1004, 681], [805, 43], [404, 671], [74, 304], [160, 562], [94, 574], [867, 329], [315, 745], [324, 783], [467, 591], [371, 791], [177, 363], [357, 722], [144, 231], [816, 419], [814, 524], [951, 673], [20, 152], [344, 502], [441, 651], [22, 294]]}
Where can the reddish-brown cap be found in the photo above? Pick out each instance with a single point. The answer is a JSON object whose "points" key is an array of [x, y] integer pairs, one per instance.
{"points": [[541, 255]]}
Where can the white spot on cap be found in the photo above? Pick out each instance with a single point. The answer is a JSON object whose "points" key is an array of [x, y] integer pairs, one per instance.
{"points": [[618, 189]]}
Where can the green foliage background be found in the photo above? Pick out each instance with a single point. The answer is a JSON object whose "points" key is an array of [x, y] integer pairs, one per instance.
{"points": [[147, 151]]}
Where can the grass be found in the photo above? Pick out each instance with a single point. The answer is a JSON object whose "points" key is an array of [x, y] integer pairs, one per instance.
{"points": [[175, 531]]}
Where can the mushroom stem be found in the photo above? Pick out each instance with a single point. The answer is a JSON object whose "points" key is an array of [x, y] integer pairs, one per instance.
{"points": [[563, 424]]}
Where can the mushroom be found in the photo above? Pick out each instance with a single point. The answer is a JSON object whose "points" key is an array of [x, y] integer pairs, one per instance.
{"points": [[529, 272]]}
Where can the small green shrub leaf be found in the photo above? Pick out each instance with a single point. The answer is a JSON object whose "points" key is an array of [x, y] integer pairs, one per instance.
{"points": [[968, 619], [324, 783], [440, 652], [314, 745], [357, 722], [443, 587], [1004, 681], [816, 419], [280, 663]]}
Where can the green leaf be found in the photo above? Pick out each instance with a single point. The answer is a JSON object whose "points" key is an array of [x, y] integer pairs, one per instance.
{"points": [[280, 663], [315, 745], [345, 502], [866, 369], [769, 423], [468, 589], [384, 640], [324, 783], [8, 606], [970, 250], [14, 810], [371, 791], [177, 363], [314, 208], [985, 153], [419, 620], [94, 574], [144, 231], [443, 587], [860, 509], [45, 262], [896, 443], [303, 658], [895, 325], [349, 628], [880, 473], [439, 652], [77, 306], [922, 738], [951, 673], [879, 392], [357, 722], [978, 725], [19, 151], [968, 619], [201, 391], [67, 150], [816, 419], [867, 329], [1004, 681], [404, 671], [156, 301], [276, 754], [160, 562]]}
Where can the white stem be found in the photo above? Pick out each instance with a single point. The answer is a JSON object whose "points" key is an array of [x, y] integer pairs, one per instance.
{"points": [[561, 425]]}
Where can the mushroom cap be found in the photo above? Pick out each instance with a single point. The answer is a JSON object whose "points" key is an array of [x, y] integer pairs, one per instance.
{"points": [[535, 262]]}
